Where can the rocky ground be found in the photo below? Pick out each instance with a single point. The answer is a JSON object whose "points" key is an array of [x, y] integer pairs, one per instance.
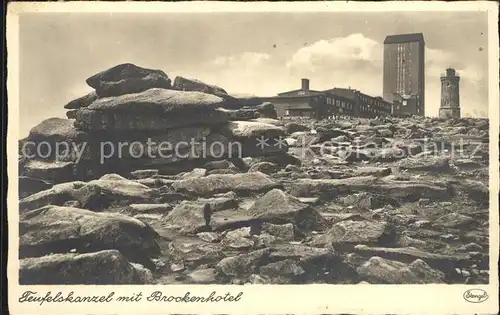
{"points": [[379, 201]]}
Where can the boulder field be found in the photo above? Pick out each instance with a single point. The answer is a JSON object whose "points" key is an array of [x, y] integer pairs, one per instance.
{"points": [[201, 198]]}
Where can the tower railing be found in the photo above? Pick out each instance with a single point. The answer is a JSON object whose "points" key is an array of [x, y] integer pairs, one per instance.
{"points": [[444, 75]]}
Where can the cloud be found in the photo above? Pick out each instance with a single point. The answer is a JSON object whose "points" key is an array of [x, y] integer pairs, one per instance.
{"points": [[354, 60]]}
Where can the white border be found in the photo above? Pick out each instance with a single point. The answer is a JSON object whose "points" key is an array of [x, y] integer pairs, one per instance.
{"points": [[260, 299]]}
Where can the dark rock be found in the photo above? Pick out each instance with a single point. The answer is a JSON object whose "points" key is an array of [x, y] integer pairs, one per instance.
{"points": [[409, 254], [295, 127], [267, 110], [218, 165], [203, 276], [430, 163], [127, 79], [455, 220], [264, 167], [145, 208], [29, 186], [241, 114], [71, 114], [220, 203], [83, 101]]}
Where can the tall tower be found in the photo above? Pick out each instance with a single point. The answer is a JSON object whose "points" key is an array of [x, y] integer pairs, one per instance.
{"points": [[404, 71], [450, 95]]}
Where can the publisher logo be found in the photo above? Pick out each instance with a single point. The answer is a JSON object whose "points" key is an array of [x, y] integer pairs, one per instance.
{"points": [[475, 296]]}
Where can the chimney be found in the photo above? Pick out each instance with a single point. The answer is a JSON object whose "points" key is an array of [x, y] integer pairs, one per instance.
{"points": [[305, 84]]}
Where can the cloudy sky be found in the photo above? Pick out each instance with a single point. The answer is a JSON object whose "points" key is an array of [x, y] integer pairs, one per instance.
{"points": [[248, 53]]}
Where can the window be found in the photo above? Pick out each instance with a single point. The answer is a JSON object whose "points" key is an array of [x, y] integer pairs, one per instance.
{"points": [[404, 103], [287, 112]]}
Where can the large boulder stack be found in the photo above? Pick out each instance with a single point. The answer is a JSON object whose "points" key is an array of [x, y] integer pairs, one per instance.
{"points": [[136, 119]]}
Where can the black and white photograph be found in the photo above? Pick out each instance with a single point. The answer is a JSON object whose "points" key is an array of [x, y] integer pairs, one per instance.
{"points": [[248, 148]]}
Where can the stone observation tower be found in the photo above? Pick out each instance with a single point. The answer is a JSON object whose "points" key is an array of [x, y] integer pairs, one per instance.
{"points": [[450, 95]]}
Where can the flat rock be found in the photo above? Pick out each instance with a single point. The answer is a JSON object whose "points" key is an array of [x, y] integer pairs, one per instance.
{"points": [[411, 190], [378, 270], [56, 195], [409, 254], [426, 163], [185, 84], [141, 174], [247, 183], [220, 203], [55, 229], [112, 189], [102, 267], [153, 109]]}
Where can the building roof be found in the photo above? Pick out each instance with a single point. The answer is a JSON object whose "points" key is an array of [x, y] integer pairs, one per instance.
{"points": [[404, 38], [306, 93]]}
